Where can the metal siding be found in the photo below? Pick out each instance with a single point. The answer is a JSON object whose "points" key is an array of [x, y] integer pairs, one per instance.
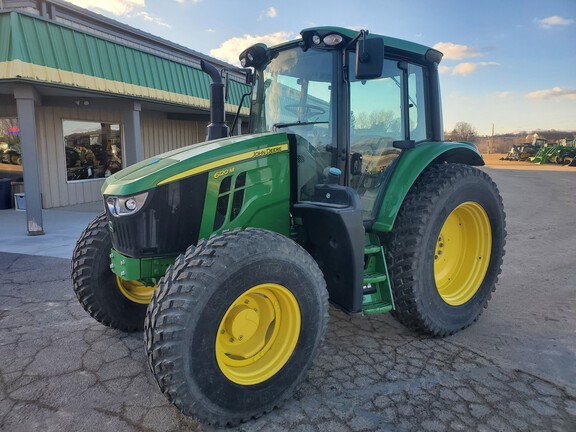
{"points": [[156, 134], [160, 135], [17, 46], [5, 30], [156, 74], [169, 69], [82, 53], [42, 43], [122, 66]]}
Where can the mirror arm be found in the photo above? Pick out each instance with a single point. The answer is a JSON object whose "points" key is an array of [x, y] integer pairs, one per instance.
{"points": [[244, 96], [364, 57], [361, 33]]}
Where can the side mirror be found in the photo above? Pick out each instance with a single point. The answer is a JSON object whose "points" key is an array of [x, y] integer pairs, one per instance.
{"points": [[369, 58], [356, 164]]}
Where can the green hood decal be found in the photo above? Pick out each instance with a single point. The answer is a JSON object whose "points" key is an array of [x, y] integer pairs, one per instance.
{"points": [[191, 160]]}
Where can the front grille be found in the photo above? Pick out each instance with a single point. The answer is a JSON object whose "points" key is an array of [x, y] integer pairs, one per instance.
{"points": [[167, 224]]}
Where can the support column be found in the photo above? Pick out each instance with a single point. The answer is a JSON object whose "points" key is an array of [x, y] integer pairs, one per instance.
{"points": [[133, 151], [238, 127], [26, 100]]}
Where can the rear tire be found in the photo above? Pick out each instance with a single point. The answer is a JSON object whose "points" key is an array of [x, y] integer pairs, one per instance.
{"points": [[446, 249], [235, 324], [96, 285]]}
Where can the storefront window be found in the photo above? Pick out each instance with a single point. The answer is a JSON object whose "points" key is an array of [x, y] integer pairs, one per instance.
{"points": [[10, 148], [93, 150]]}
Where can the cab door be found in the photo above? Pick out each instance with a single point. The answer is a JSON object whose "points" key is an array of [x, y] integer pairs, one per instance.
{"points": [[383, 111]]}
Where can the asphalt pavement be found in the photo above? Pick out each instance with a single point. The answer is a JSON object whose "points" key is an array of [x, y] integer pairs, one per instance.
{"points": [[514, 370]]}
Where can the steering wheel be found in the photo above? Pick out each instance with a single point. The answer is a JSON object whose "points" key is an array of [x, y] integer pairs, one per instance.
{"points": [[307, 110]]}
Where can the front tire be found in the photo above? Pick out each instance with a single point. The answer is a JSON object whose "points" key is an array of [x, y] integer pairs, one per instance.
{"points": [[108, 299], [446, 249], [235, 325]]}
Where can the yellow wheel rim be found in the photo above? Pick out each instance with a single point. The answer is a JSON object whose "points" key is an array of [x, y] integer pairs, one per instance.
{"points": [[258, 334], [462, 253], [135, 290]]}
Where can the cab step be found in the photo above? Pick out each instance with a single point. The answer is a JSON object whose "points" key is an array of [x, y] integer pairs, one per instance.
{"points": [[376, 283]]}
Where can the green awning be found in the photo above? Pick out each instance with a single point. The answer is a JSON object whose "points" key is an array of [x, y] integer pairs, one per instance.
{"points": [[35, 49]]}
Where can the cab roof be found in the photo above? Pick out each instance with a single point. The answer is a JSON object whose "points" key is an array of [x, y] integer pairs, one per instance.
{"points": [[400, 46]]}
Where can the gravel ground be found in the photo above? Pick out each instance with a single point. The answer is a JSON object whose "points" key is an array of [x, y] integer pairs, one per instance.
{"points": [[514, 370]]}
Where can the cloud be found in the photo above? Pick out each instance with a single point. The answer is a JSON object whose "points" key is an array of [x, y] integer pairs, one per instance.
{"points": [[444, 69], [152, 18], [211, 30], [454, 51], [191, 1], [553, 21], [230, 49], [555, 92], [464, 69], [116, 7], [268, 13], [467, 68], [503, 94]]}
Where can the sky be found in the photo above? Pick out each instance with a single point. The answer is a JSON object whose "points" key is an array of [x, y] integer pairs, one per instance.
{"points": [[508, 64]]}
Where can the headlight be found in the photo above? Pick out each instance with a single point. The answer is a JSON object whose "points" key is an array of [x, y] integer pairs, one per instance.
{"points": [[332, 39], [125, 205]]}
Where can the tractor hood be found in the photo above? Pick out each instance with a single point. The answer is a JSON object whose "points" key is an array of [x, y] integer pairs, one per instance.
{"points": [[191, 160]]}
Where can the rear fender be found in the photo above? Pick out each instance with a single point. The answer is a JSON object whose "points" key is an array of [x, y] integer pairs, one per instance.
{"points": [[410, 165]]}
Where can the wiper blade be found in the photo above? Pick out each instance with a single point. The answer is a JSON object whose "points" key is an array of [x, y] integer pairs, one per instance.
{"points": [[298, 123]]}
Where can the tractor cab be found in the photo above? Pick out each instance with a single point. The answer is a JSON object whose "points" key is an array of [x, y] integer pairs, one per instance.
{"points": [[346, 104]]}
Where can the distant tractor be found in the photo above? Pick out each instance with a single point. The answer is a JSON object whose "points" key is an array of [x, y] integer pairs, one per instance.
{"points": [[562, 152], [523, 152], [567, 152], [228, 252]]}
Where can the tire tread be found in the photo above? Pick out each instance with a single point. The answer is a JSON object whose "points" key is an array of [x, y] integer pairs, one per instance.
{"points": [[179, 290], [404, 245]]}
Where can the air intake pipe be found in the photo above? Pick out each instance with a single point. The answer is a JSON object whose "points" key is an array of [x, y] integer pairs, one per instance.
{"points": [[217, 127]]}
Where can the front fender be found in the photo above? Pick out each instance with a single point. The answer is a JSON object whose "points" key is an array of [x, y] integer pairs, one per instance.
{"points": [[410, 165]]}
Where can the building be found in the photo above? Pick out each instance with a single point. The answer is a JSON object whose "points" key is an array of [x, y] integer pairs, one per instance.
{"points": [[82, 96]]}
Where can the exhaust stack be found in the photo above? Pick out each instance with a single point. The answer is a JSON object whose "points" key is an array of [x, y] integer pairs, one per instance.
{"points": [[217, 127]]}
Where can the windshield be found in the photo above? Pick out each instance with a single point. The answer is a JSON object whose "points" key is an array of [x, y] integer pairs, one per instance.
{"points": [[295, 93]]}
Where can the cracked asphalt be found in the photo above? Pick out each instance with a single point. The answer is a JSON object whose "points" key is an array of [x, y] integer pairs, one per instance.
{"points": [[514, 370]]}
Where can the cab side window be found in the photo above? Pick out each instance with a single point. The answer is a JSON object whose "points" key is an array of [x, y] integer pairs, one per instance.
{"points": [[416, 103], [375, 123], [377, 110]]}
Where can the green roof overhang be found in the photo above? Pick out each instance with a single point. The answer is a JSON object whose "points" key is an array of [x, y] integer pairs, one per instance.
{"points": [[35, 49]]}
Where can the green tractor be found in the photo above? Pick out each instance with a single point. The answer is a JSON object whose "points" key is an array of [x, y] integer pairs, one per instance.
{"points": [[227, 253], [566, 152]]}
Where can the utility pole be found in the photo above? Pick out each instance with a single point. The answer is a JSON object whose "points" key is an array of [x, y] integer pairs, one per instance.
{"points": [[491, 149]]}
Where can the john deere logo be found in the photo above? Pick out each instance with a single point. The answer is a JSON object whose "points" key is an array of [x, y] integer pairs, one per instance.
{"points": [[110, 226]]}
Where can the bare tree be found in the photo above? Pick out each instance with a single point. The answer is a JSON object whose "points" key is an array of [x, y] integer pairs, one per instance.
{"points": [[382, 119], [463, 131]]}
